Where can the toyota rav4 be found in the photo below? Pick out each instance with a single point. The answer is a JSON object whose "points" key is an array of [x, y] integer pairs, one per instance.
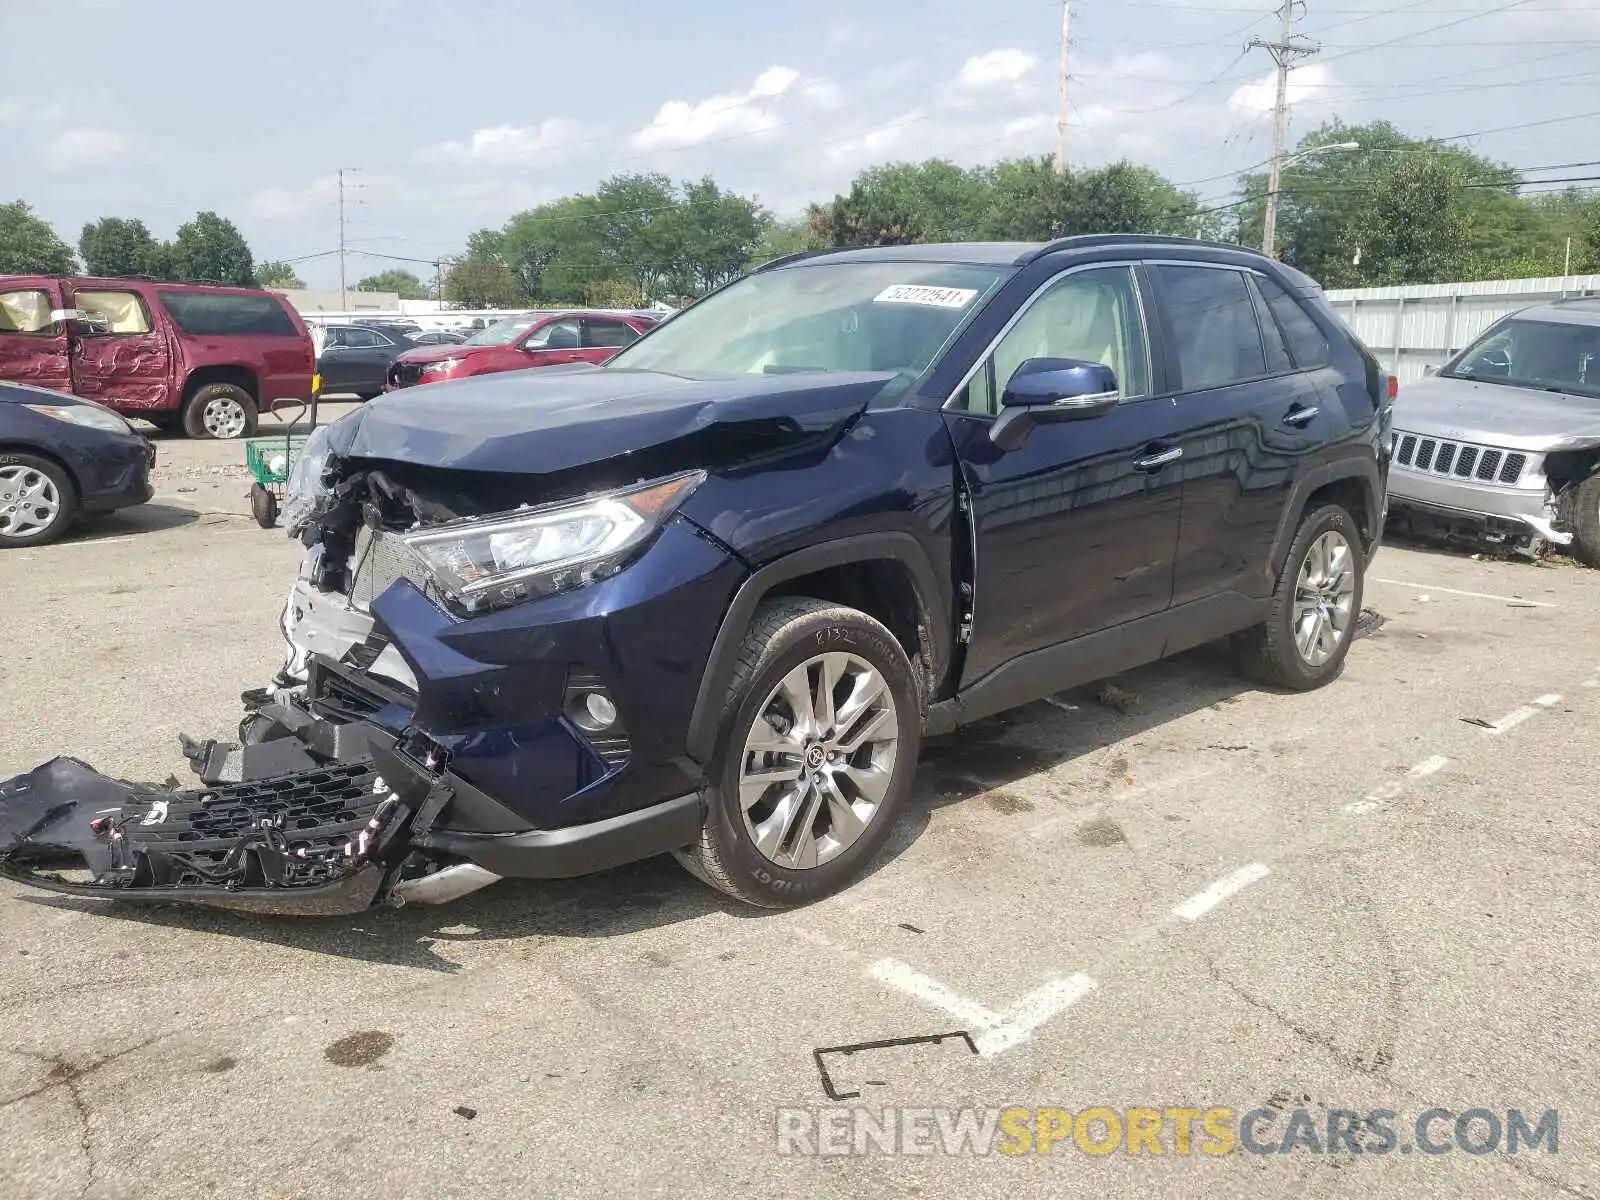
{"points": [[709, 598]]}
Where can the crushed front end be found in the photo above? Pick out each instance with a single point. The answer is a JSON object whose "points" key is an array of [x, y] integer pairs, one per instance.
{"points": [[415, 745]]}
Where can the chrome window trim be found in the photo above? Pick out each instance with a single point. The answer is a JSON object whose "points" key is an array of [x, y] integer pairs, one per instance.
{"points": [[1130, 265]]}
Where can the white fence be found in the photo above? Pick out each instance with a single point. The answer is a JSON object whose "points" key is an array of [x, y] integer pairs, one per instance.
{"points": [[1418, 326]]}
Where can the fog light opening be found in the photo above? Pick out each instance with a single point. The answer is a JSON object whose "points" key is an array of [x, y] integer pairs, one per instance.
{"points": [[593, 712]]}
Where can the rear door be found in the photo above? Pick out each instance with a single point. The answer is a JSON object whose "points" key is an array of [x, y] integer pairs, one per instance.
{"points": [[1249, 414], [121, 354], [555, 343], [33, 337], [604, 336], [1076, 528], [356, 360]]}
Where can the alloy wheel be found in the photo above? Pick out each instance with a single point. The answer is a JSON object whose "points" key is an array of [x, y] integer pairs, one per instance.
{"points": [[818, 760], [1324, 598], [224, 417], [29, 502]]}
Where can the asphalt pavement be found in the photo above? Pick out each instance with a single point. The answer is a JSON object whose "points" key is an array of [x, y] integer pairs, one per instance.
{"points": [[1290, 914]]}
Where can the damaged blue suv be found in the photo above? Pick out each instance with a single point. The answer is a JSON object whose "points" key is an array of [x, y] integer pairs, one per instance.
{"points": [[709, 598]]}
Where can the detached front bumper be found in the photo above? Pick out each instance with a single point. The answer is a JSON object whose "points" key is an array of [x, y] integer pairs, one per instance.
{"points": [[403, 754]]}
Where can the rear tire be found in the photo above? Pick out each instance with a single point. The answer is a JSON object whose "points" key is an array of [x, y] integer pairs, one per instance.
{"points": [[1585, 521], [1315, 605], [37, 501], [797, 821], [221, 411]]}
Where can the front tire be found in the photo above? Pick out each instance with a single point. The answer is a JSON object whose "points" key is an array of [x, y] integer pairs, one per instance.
{"points": [[1303, 642], [1585, 521], [815, 755], [221, 411], [37, 501]]}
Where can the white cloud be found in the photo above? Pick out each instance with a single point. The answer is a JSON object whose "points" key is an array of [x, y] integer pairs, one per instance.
{"points": [[1024, 125], [72, 149], [1308, 85], [500, 145], [680, 123], [875, 144], [996, 69]]}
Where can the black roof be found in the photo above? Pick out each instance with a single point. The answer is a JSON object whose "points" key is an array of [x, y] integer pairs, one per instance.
{"points": [[1000, 253]]}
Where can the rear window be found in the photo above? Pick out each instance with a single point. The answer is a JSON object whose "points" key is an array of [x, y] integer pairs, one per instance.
{"points": [[209, 314], [1306, 343]]}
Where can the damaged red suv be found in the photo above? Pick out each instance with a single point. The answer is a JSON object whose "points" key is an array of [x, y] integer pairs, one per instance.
{"points": [[539, 340], [201, 358]]}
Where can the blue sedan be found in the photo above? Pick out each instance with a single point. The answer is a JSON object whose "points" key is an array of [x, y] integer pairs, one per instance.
{"points": [[62, 457]]}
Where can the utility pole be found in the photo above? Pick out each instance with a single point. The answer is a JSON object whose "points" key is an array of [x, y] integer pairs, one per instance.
{"points": [[1289, 47], [344, 302], [1061, 118]]}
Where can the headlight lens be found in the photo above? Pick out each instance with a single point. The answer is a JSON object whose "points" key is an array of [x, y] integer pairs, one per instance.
{"points": [[305, 487], [444, 364], [91, 415], [483, 565]]}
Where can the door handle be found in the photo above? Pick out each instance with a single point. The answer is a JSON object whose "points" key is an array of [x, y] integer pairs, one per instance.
{"points": [[1154, 462], [1300, 417]]}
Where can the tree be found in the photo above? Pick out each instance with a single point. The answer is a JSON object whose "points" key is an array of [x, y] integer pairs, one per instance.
{"points": [[716, 234], [405, 283], [1030, 202], [1414, 227], [212, 248], [28, 246], [781, 238], [474, 282], [932, 201], [1588, 259], [278, 275], [114, 246]]}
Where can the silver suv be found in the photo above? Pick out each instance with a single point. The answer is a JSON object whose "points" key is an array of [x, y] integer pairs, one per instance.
{"points": [[1503, 442]]}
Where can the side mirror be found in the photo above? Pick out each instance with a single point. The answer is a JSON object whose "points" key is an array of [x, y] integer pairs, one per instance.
{"points": [[1430, 369], [1046, 390]]}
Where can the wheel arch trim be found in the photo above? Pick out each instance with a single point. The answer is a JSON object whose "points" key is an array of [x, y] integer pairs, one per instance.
{"points": [[900, 548]]}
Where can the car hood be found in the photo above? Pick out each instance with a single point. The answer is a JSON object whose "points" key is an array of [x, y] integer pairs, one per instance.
{"points": [[563, 419], [1497, 414], [428, 354]]}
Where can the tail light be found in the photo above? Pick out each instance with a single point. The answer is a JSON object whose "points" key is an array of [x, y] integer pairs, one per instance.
{"points": [[1392, 388]]}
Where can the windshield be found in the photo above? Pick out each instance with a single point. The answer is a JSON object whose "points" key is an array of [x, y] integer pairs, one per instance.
{"points": [[501, 333], [885, 316], [1554, 355]]}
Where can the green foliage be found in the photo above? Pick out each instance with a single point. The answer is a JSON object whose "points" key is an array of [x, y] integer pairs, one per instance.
{"points": [[114, 246], [478, 282], [211, 248], [407, 285], [28, 246], [904, 203], [278, 275]]}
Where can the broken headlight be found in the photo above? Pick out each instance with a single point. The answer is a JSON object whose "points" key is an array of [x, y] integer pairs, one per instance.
{"points": [[306, 486], [486, 564]]}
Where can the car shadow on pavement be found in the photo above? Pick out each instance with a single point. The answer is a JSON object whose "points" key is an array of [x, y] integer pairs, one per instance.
{"points": [[145, 518], [975, 764]]}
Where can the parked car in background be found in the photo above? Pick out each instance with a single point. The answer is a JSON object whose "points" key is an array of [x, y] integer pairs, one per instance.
{"points": [[541, 340], [437, 337], [201, 358], [355, 358], [1503, 442], [62, 457], [708, 598]]}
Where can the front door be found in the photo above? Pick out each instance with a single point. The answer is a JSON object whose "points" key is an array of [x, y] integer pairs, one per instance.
{"points": [[33, 337], [604, 336], [555, 344], [120, 356], [1077, 528], [356, 361]]}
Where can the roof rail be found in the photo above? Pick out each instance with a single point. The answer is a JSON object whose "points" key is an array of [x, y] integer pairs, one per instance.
{"points": [[784, 260], [1079, 241]]}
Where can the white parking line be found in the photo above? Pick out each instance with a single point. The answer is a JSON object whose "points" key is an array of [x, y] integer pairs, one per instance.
{"points": [[1202, 902], [1431, 765], [1376, 798], [1429, 587], [1548, 701], [993, 1032], [1520, 714]]}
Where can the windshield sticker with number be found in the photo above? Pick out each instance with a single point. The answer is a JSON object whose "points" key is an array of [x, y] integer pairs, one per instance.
{"points": [[916, 293]]}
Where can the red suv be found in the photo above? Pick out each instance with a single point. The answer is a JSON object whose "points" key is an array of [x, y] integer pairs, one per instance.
{"points": [[539, 340], [202, 358]]}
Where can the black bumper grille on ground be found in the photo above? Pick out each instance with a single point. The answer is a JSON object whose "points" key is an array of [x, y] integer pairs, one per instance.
{"points": [[1459, 460]]}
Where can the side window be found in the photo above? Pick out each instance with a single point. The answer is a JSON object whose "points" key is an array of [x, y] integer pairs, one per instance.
{"points": [[558, 335], [1213, 325], [1271, 336], [26, 312], [1307, 345], [608, 333], [361, 339], [112, 312], [1091, 315], [226, 314]]}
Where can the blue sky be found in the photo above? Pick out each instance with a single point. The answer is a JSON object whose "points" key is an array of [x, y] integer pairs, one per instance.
{"points": [[458, 114]]}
